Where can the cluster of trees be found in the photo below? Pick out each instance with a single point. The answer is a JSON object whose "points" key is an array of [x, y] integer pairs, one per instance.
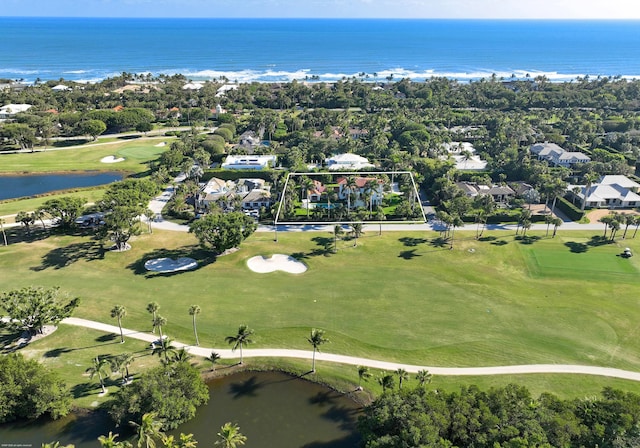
{"points": [[29, 390], [500, 417], [616, 221]]}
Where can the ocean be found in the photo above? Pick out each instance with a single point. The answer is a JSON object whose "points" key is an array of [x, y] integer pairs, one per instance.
{"points": [[266, 50]]}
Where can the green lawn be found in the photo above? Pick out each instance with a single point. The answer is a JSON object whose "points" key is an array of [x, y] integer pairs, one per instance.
{"points": [[11, 207], [136, 152], [399, 296]]}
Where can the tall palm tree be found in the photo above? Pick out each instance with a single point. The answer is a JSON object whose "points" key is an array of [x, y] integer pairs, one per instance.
{"points": [[121, 364], [99, 367], [243, 337], [337, 231], [363, 375], [166, 350], [589, 179], [119, 312], [308, 185], [628, 220], [159, 322], [213, 358], [371, 187], [386, 381], [403, 375], [423, 377], [194, 310], [4, 234], [230, 436], [557, 222], [350, 186], [316, 339], [149, 430], [356, 231], [153, 308]]}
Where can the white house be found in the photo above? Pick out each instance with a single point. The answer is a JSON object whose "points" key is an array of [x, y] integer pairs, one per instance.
{"points": [[60, 88], [500, 193], [465, 156], [348, 161], [10, 110], [614, 191], [557, 156], [256, 199], [362, 186], [253, 162], [192, 86]]}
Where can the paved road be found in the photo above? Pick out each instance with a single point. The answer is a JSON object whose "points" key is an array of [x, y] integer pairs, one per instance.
{"points": [[350, 360]]}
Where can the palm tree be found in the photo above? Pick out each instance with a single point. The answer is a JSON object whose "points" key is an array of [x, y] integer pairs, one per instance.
{"points": [[350, 186], [181, 355], [403, 375], [194, 310], [557, 222], [363, 375], [628, 220], [423, 377], [316, 339], [356, 230], [4, 234], [243, 337], [119, 312], [589, 179], [158, 322], [111, 442], [337, 231], [149, 430], [456, 221], [230, 436], [371, 187], [166, 350], [40, 215], [121, 364], [153, 308], [308, 185], [100, 367], [386, 381], [213, 358]]}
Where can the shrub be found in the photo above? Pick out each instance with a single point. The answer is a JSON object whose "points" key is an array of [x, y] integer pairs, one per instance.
{"points": [[572, 212]]}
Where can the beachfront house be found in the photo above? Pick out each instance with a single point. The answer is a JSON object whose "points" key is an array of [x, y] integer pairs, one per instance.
{"points": [[557, 156], [615, 191]]}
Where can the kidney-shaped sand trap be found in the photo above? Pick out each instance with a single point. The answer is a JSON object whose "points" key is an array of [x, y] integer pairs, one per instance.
{"points": [[277, 262], [170, 265], [112, 159]]}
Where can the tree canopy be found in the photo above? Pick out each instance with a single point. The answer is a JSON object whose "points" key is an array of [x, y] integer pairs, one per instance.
{"points": [[172, 391], [28, 390], [31, 308], [220, 232]]}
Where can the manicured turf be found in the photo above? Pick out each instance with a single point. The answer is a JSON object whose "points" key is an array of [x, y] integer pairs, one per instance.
{"points": [[136, 152], [11, 207], [399, 296]]}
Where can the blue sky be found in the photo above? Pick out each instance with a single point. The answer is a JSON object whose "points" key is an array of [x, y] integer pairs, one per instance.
{"points": [[533, 9]]}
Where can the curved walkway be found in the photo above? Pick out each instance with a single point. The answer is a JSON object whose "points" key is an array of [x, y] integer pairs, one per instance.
{"points": [[384, 365]]}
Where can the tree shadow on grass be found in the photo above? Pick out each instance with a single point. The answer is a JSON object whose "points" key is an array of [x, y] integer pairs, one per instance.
{"points": [[485, 239], [9, 342], [106, 337], [325, 246], [411, 242], [201, 256], [408, 254], [440, 242], [577, 248], [527, 239], [85, 389], [62, 257], [598, 240]]}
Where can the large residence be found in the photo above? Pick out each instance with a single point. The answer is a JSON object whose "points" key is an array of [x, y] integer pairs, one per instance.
{"points": [[10, 110], [348, 161], [500, 193], [363, 186], [557, 156], [252, 194], [465, 156], [239, 162], [609, 192]]}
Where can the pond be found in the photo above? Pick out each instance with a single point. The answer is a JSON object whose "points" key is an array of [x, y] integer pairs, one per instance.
{"points": [[272, 410], [33, 184]]}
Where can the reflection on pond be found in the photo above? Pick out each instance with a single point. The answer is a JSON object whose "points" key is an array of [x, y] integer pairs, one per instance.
{"points": [[272, 410], [33, 184]]}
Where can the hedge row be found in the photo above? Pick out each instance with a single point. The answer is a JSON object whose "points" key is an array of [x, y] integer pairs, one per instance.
{"points": [[572, 212]]}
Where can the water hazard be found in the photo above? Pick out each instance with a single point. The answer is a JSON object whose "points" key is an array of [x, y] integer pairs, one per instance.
{"points": [[34, 184]]}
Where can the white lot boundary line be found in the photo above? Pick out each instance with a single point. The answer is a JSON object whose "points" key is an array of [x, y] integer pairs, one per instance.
{"points": [[383, 365], [276, 222]]}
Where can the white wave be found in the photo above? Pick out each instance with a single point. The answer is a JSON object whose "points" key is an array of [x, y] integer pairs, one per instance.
{"points": [[75, 72]]}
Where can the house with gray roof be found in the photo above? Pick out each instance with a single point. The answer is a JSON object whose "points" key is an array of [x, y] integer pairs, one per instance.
{"points": [[557, 156], [614, 191]]}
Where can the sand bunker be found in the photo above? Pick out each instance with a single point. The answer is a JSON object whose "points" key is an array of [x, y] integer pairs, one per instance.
{"points": [[161, 144], [170, 265], [112, 159], [276, 262]]}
